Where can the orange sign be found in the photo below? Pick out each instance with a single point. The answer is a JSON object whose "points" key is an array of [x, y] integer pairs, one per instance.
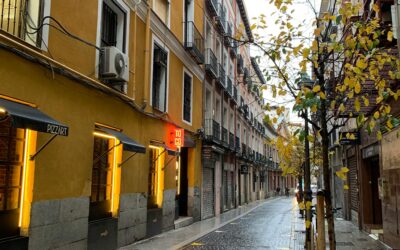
{"points": [[177, 137]]}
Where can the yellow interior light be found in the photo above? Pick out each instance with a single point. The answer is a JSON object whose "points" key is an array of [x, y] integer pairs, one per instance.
{"points": [[113, 174], [24, 171], [154, 147], [2, 110], [104, 135]]}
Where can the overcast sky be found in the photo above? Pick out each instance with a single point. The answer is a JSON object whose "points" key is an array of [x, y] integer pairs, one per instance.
{"points": [[303, 14]]}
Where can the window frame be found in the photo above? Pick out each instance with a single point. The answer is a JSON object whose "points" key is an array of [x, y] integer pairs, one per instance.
{"points": [[157, 42], [186, 72]]}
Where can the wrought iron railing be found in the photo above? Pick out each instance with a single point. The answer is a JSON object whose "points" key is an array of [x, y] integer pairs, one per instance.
{"points": [[240, 64], [212, 6], [211, 63], [237, 144], [235, 95], [229, 87], [221, 75], [225, 136], [244, 150], [221, 22], [194, 42], [212, 130], [231, 141]]}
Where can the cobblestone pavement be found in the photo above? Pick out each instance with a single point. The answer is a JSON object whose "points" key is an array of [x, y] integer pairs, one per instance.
{"points": [[277, 225], [270, 226]]}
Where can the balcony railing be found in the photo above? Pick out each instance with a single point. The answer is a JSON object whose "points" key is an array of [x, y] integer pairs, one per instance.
{"points": [[234, 48], [221, 22], [240, 68], [211, 64], [194, 42], [235, 95], [212, 6], [244, 151], [237, 144], [228, 34], [225, 137], [231, 141], [221, 75], [229, 87], [212, 130]]}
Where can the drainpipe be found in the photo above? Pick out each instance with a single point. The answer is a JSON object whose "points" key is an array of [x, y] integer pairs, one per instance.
{"points": [[133, 94], [147, 56]]}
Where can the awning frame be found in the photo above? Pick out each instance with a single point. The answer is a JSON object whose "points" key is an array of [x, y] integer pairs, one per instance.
{"points": [[127, 159], [32, 157]]}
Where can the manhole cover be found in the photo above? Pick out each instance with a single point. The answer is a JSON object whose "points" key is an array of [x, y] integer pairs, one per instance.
{"points": [[344, 244]]}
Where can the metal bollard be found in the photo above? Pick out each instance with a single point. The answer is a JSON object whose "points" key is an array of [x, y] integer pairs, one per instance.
{"points": [[321, 244]]}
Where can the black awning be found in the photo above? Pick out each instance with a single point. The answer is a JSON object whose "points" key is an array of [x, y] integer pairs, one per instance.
{"points": [[128, 143], [189, 142], [24, 116], [169, 150]]}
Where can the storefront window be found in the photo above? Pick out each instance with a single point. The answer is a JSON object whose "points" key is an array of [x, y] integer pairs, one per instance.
{"points": [[11, 166], [100, 199]]}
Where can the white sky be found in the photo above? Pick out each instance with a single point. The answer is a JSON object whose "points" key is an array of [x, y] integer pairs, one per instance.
{"points": [[303, 13]]}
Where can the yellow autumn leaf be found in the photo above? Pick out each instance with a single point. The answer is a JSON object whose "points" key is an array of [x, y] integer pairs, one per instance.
{"points": [[357, 105], [379, 135], [310, 138], [316, 88], [314, 46], [366, 101], [197, 244], [376, 115], [357, 88], [322, 95], [308, 224], [345, 169], [389, 124], [317, 32], [252, 27], [361, 64], [346, 187], [314, 108], [306, 53], [390, 36], [341, 107]]}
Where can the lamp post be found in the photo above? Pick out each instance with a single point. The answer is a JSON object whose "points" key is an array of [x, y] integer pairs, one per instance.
{"points": [[306, 82]]}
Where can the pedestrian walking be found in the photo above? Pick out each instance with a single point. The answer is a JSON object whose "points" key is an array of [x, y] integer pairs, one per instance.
{"points": [[278, 190]]}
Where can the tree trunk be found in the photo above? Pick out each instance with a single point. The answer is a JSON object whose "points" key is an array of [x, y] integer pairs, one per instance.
{"points": [[326, 175]]}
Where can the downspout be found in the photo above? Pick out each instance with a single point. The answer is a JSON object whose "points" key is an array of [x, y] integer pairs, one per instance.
{"points": [[134, 57], [147, 56]]}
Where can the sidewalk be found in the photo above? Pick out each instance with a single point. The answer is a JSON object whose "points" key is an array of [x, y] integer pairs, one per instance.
{"points": [[348, 236], [178, 238]]}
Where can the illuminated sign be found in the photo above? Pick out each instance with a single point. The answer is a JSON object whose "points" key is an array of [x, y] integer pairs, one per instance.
{"points": [[176, 137]]}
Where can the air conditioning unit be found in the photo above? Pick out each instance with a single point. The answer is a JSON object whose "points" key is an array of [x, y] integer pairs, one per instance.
{"points": [[114, 65]]}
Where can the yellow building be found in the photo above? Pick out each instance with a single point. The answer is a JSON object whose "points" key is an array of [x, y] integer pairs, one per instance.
{"points": [[117, 81]]}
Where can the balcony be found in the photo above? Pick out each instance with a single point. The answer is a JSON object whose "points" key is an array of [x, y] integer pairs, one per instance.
{"points": [[220, 18], [212, 6], [234, 49], [194, 42], [240, 65], [231, 141], [228, 34], [244, 151], [212, 130], [229, 87], [211, 64], [246, 75], [221, 75], [235, 95], [237, 145], [225, 141]]}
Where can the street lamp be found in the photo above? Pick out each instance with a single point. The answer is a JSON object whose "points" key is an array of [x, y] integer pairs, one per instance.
{"points": [[306, 82]]}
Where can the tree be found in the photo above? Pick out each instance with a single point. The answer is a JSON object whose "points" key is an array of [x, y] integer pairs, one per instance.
{"points": [[354, 69]]}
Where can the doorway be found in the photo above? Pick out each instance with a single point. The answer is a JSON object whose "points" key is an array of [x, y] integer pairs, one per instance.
{"points": [[183, 184], [372, 206]]}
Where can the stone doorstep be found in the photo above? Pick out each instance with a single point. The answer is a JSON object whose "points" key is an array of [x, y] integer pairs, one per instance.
{"points": [[183, 222]]}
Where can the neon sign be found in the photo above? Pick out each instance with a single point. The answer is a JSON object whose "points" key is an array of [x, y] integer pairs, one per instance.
{"points": [[176, 137]]}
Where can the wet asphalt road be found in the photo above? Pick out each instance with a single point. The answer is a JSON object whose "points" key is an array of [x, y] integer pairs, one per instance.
{"points": [[267, 227]]}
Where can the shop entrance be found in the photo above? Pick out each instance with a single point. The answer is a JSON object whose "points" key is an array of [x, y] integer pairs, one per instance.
{"points": [[183, 184]]}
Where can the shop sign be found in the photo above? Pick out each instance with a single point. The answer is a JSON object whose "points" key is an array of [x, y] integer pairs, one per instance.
{"points": [[370, 151], [349, 138], [176, 137], [244, 169]]}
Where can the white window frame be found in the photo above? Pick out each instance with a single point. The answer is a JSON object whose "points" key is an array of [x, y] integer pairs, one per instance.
{"points": [[187, 72], [157, 41], [127, 10]]}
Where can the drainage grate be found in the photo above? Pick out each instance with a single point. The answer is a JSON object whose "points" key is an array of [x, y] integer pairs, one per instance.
{"points": [[344, 244]]}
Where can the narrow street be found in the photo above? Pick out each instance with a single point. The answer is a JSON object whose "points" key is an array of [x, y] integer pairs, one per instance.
{"points": [[270, 226]]}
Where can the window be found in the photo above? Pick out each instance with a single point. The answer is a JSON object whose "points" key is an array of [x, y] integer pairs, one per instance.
{"points": [[21, 17], [113, 25], [11, 169], [100, 198], [187, 97], [159, 83], [155, 188]]}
